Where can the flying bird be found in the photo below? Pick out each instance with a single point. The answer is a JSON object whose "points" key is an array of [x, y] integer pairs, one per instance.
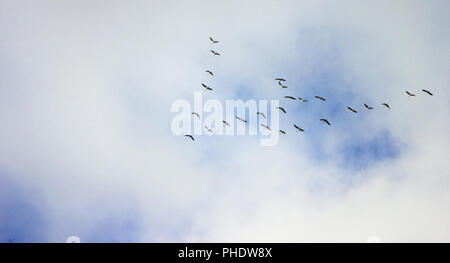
{"points": [[196, 114], [280, 108], [280, 79], [190, 136], [427, 91], [240, 119], [209, 72], [208, 129], [320, 98], [226, 123], [302, 100], [326, 121], [289, 97], [281, 85], [368, 107], [352, 110], [386, 105], [410, 94], [215, 53], [298, 128], [267, 127], [262, 114], [282, 132], [206, 87], [213, 41]]}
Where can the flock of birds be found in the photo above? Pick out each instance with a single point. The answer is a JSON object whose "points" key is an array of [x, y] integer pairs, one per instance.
{"points": [[281, 83]]}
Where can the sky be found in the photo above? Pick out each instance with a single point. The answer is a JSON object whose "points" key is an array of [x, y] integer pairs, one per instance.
{"points": [[86, 147]]}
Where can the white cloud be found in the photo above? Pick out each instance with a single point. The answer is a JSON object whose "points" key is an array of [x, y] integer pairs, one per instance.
{"points": [[85, 111]]}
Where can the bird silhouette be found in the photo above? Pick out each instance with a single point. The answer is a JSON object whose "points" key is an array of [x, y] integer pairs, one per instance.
{"points": [[326, 121], [240, 119], [280, 79], [368, 107], [282, 132], [281, 108], [352, 110], [213, 41], [320, 98], [196, 114], [410, 94], [386, 105], [302, 100], [267, 127], [281, 85], [215, 53], [290, 97], [190, 136], [206, 87], [209, 72], [262, 114], [298, 128], [226, 123], [427, 91]]}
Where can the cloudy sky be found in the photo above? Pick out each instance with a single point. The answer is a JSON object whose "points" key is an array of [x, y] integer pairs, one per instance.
{"points": [[86, 149]]}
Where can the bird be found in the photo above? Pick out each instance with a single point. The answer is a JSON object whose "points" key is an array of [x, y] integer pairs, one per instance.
{"points": [[427, 91], [386, 105], [213, 41], [281, 85], [240, 119], [190, 136], [226, 123], [368, 107], [320, 98], [206, 87], [326, 121], [209, 72], [282, 132], [298, 128], [215, 53], [267, 127], [281, 108], [302, 100], [289, 97], [280, 79], [208, 129], [196, 114], [262, 114], [410, 94], [352, 110]]}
